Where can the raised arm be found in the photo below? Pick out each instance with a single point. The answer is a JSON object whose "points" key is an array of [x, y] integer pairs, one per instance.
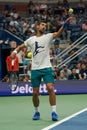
{"points": [[59, 32]]}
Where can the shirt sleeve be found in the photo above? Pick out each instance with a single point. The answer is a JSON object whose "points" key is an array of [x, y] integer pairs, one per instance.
{"points": [[28, 42], [50, 35]]}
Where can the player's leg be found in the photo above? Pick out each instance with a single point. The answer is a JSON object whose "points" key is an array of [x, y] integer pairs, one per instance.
{"points": [[52, 97], [49, 80], [35, 100], [35, 80], [35, 97], [52, 100]]}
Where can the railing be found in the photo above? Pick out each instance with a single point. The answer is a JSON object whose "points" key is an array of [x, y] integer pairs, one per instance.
{"points": [[69, 48], [14, 37]]}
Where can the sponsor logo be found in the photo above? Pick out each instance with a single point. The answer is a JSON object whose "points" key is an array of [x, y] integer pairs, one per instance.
{"points": [[27, 89]]}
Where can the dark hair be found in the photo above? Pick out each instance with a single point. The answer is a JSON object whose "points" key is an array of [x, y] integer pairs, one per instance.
{"points": [[41, 21], [73, 68], [56, 42]]}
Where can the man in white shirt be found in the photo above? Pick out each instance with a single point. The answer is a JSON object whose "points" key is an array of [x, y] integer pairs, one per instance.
{"points": [[41, 66], [66, 71]]}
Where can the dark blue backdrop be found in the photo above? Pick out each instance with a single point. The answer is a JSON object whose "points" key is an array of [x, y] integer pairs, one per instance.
{"points": [[60, 87]]}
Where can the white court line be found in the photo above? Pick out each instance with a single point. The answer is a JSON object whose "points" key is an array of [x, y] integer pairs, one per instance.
{"points": [[65, 119]]}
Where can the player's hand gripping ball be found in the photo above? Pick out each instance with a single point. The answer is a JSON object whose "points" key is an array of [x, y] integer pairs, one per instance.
{"points": [[29, 55], [70, 10]]}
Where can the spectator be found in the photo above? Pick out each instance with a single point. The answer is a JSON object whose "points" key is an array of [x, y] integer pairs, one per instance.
{"points": [[56, 72], [71, 55], [12, 63], [84, 59], [66, 71], [84, 26], [81, 7], [14, 22], [83, 71], [66, 4], [14, 13], [21, 78], [30, 8], [62, 76], [6, 79], [25, 25], [78, 67], [43, 8], [8, 7], [73, 75], [81, 4], [37, 8], [56, 50], [13, 29], [26, 78]]}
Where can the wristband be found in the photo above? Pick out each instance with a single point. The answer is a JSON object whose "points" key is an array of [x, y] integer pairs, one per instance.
{"points": [[64, 25], [15, 51]]}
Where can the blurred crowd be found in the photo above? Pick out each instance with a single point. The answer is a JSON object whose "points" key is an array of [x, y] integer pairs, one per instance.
{"points": [[55, 15]]}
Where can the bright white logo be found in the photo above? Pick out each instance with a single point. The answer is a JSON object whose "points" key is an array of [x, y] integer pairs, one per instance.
{"points": [[28, 89]]}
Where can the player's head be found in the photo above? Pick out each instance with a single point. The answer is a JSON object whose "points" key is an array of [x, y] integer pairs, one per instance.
{"points": [[41, 26]]}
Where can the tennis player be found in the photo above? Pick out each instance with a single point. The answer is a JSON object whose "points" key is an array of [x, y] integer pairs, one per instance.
{"points": [[41, 66]]}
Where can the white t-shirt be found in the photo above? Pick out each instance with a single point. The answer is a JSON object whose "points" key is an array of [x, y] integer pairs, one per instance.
{"points": [[40, 47]]}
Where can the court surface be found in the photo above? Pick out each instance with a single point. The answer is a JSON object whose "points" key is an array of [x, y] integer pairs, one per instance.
{"points": [[16, 112], [77, 121]]}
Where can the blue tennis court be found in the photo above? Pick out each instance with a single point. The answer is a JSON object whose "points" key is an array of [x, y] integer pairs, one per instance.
{"points": [[77, 121]]}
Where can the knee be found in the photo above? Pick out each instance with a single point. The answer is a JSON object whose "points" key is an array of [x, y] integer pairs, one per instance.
{"points": [[35, 93], [50, 89]]}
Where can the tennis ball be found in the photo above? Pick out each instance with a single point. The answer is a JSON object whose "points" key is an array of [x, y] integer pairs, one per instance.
{"points": [[71, 10], [29, 54]]}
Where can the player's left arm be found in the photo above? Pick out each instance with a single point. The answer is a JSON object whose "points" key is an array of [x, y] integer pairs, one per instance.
{"points": [[18, 49], [59, 32]]}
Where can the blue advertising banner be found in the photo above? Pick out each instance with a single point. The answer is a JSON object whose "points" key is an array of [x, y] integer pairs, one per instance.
{"points": [[60, 87]]}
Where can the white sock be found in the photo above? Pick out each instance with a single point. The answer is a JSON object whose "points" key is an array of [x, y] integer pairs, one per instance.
{"points": [[54, 108], [36, 109]]}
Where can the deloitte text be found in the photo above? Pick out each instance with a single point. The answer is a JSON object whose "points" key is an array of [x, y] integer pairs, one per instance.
{"points": [[27, 89]]}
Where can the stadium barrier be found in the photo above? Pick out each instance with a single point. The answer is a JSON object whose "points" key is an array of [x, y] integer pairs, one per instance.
{"points": [[60, 87]]}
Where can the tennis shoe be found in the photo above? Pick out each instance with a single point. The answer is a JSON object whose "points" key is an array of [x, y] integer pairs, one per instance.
{"points": [[36, 116], [54, 116]]}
